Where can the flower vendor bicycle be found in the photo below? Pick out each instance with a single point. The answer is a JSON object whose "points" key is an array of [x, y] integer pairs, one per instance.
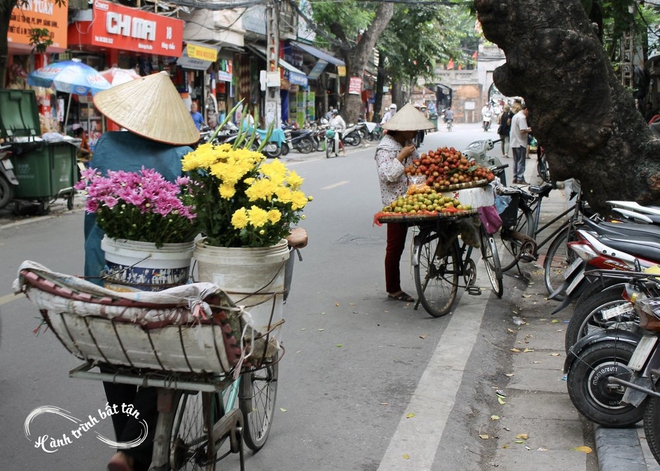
{"points": [[216, 377]]}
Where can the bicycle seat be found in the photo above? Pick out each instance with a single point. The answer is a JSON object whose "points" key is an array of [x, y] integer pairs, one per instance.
{"points": [[542, 191]]}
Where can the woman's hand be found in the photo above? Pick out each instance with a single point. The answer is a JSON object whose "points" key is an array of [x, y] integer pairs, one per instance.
{"points": [[406, 151]]}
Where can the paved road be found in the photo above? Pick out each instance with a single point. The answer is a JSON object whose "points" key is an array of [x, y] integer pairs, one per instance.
{"points": [[368, 384]]}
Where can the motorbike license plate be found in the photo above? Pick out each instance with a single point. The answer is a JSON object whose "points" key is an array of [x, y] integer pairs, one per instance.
{"points": [[7, 164], [624, 308], [641, 354]]}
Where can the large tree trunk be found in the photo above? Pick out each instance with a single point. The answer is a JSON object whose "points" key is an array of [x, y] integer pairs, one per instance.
{"points": [[6, 7], [579, 111], [356, 58]]}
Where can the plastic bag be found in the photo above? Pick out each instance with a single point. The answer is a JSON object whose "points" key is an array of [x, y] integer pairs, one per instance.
{"points": [[490, 219]]}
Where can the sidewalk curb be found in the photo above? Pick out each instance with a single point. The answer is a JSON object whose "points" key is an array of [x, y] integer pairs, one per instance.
{"points": [[619, 448]]}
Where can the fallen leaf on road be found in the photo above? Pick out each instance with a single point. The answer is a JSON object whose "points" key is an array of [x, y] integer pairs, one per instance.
{"points": [[406, 456], [351, 304], [303, 329], [554, 354], [511, 331], [410, 415], [522, 436], [321, 330], [336, 304], [555, 321], [423, 336], [500, 400], [283, 409], [519, 442], [509, 375], [515, 350], [541, 448], [583, 449], [339, 345], [505, 446], [384, 404], [536, 362], [484, 436], [526, 295], [527, 350], [494, 417]]}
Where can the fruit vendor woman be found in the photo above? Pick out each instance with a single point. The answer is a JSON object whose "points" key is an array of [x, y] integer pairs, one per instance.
{"points": [[394, 152]]}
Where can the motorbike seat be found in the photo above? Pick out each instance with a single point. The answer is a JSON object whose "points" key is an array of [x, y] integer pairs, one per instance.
{"points": [[643, 248], [627, 229]]}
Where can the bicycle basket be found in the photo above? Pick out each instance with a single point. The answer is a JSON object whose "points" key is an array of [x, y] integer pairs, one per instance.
{"points": [[509, 215], [330, 134]]}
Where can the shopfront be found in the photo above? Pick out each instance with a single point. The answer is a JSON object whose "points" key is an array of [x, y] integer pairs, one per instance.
{"points": [[21, 61], [128, 38]]}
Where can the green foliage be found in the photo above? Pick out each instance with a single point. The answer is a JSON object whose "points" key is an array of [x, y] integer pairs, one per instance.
{"points": [[40, 39], [343, 21]]}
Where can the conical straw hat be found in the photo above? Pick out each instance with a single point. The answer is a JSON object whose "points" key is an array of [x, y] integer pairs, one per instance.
{"points": [[407, 118], [151, 107]]}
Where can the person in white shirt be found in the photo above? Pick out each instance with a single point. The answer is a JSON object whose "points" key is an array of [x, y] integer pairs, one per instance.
{"points": [[389, 114], [339, 125], [518, 143]]}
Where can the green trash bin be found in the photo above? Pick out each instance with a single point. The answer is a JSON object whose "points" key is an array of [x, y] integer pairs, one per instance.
{"points": [[435, 123], [45, 170]]}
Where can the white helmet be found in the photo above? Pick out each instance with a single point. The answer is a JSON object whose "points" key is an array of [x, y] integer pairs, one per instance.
{"points": [[393, 106]]}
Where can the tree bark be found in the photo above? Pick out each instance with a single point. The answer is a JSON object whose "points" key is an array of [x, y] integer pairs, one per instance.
{"points": [[356, 58], [579, 111], [6, 7]]}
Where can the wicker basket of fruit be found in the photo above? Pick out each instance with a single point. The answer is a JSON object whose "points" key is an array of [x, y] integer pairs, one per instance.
{"points": [[423, 204], [447, 169]]}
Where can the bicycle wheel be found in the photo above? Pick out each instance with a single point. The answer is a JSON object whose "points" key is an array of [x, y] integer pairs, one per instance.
{"points": [[190, 432], [329, 147], [492, 261], [510, 247], [557, 260], [542, 166], [257, 402], [436, 272]]}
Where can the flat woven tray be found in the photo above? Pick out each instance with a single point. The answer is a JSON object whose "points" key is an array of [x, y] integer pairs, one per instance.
{"points": [[462, 186], [414, 219]]}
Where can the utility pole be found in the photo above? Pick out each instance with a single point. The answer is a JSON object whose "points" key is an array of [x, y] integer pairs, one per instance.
{"points": [[273, 106]]}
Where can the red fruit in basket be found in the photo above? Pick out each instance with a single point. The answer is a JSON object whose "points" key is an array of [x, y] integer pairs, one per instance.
{"points": [[490, 177], [423, 168]]}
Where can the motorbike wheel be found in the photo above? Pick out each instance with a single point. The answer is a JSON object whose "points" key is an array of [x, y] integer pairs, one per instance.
{"points": [[6, 192], [306, 145], [285, 148], [353, 139], [590, 391], [652, 425], [271, 150], [329, 147], [588, 316]]}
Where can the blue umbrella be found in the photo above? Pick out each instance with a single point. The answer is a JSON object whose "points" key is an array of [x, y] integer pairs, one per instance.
{"points": [[72, 77]]}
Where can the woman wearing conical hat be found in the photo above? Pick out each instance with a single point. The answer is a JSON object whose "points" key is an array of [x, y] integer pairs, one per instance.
{"points": [[394, 152]]}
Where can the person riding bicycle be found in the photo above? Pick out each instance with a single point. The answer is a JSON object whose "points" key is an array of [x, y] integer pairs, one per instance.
{"points": [[449, 115]]}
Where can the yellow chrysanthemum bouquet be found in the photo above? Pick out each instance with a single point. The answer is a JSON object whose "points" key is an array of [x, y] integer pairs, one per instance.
{"points": [[241, 200]]}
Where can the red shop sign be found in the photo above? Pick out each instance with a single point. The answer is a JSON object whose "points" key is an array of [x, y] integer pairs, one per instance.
{"points": [[119, 27]]}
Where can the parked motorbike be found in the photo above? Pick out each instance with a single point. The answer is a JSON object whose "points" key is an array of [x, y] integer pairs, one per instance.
{"points": [[351, 135], [601, 246], [7, 177], [301, 140], [370, 131], [601, 367]]}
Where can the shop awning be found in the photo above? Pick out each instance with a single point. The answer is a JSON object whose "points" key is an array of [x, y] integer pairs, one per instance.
{"points": [[318, 53], [296, 76]]}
